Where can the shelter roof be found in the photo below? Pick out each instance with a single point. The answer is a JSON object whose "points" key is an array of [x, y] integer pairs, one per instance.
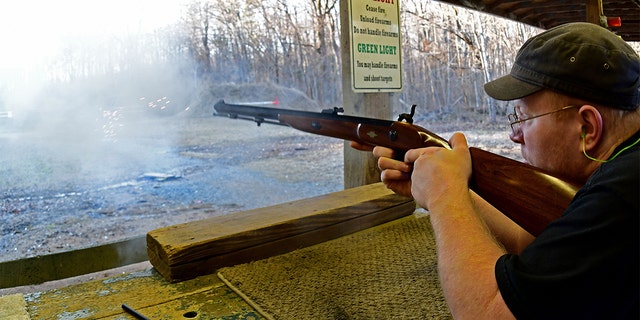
{"points": [[550, 13]]}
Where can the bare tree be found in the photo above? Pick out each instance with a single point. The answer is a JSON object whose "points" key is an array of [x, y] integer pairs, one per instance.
{"points": [[323, 15], [448, 51], [198, 21]]}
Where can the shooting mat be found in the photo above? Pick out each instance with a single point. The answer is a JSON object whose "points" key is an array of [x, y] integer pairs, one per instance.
{"points": [[385, 272]]}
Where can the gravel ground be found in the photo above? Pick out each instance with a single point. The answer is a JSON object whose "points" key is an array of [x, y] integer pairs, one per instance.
{"points": [[84, 188]]}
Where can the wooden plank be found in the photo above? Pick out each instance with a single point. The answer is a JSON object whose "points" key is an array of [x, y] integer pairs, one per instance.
{"points": [[184, 251], [205, 297], [594, 12]]}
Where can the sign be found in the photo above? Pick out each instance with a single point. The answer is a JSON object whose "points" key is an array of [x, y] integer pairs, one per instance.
{"points": [[376, 53]]}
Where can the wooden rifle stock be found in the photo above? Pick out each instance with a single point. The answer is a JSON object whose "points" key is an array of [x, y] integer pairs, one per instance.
{"points": [[528, 195], [524, 193]]}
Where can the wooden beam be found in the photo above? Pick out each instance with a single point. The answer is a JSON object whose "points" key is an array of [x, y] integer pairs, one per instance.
{"points": [[73, 263], [594, 12], [188, 250], [360, 168], [548, 13]]}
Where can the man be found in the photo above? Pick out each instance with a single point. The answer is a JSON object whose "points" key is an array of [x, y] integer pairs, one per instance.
{"points": [[576, 91]]}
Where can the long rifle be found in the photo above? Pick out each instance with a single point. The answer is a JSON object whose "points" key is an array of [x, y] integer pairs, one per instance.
{"points": [[527, 195]]}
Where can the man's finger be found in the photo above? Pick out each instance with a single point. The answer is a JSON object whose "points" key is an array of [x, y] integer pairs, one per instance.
{"points": [[388, 163], [458, 140], [360, 146], [379, 152]]}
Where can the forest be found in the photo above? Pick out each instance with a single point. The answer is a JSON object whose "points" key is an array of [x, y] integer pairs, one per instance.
{"points": [[448, 52]]}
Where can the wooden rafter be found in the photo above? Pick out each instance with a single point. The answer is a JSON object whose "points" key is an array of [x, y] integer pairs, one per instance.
{"points": [[550, 13]]}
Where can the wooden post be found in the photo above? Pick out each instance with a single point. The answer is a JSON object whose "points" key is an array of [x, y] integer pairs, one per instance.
{"points": [[594, 12], [360, 168]]}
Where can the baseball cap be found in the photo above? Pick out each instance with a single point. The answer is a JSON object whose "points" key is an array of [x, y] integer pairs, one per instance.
{"points": [[582, 60]]}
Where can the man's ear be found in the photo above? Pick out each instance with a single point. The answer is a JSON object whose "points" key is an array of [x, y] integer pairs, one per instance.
{"points": [[592, 126]]}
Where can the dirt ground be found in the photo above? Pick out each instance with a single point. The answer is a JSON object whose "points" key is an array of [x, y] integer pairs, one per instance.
{"points": [[78, 191]]}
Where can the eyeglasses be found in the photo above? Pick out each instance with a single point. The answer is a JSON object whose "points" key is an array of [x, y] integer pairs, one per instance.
{"points": [[515, 121]]}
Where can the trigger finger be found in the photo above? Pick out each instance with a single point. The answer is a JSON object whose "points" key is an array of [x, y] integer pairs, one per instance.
{"points": [[380, 152]]}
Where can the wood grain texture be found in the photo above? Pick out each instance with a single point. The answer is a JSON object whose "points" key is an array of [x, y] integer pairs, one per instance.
{"points": [[527, 195], [147, 292], [196, 248]]}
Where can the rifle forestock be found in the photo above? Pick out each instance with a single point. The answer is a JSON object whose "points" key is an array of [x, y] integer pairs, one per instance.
{"points": [[397, 135], [529, 196]]}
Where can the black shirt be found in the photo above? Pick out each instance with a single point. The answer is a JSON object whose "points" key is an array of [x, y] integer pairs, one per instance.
{"points": [[585, 264]]}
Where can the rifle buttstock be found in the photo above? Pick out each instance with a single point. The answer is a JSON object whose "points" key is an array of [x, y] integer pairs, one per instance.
{"points": [[530, 197]]}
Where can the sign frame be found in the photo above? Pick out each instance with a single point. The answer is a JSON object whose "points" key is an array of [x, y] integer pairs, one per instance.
{"points": [[376, 46]]}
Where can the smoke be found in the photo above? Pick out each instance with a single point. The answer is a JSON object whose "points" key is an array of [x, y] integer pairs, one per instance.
{"points": [[89, 106], [70, 140]]}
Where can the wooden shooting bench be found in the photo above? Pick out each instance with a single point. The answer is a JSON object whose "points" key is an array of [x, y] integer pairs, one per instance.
{"points": [[182, 283]]}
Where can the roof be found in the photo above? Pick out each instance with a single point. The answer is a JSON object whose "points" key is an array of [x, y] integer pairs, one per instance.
{"points": [[550, 13]]}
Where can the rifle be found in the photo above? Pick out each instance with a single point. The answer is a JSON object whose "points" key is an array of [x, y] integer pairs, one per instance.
{"points": [[528, 195]]}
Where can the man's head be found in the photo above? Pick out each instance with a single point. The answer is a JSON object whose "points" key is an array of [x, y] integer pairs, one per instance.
{"points": [[581, 60], [579, 65]]}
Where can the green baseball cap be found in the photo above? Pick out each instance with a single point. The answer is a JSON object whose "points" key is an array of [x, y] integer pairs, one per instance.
{"points": [[581, 60]]}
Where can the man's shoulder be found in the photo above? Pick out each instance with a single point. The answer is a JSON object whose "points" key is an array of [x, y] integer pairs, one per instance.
{"points": [[615, 183], [624, 166]]}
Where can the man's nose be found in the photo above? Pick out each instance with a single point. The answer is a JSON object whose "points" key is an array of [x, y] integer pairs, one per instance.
{"points": [[516, 136]]}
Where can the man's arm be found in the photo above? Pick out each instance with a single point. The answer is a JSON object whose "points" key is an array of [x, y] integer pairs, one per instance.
{"points": [[467, 249], [467, 254], [508, 233], [396, 175]]}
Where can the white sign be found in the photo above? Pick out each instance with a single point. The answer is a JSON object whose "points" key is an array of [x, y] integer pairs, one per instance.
{"points": [[376, 53]]}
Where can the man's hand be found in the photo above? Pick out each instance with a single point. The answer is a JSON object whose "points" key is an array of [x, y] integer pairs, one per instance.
{"points": [[440, 174], [396, 175], [439, 170]]}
